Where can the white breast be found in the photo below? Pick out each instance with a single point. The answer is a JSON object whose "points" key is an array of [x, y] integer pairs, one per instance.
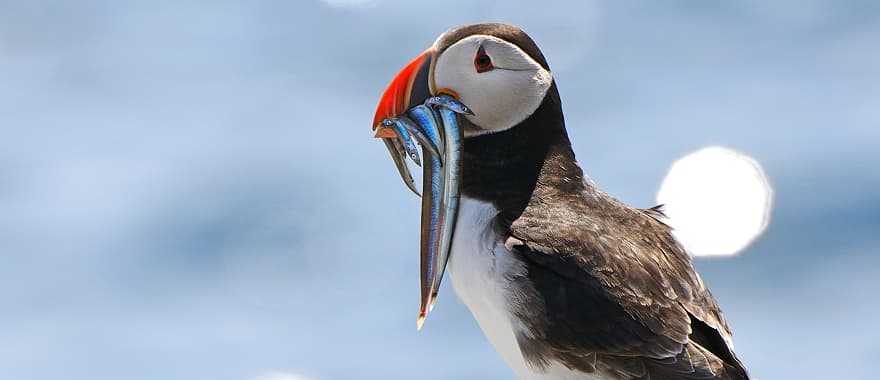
{"points": [[480, 267]]}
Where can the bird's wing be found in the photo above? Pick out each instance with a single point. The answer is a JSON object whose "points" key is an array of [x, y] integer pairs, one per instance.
{"points": [[619, 293]]}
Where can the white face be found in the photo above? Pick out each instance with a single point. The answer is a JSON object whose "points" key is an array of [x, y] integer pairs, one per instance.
{"points": [[502, 90]]}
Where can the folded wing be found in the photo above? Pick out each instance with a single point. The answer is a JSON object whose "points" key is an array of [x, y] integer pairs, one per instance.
{"points": [[619, 294]]}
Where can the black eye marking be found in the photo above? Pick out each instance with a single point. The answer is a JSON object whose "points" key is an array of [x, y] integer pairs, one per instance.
{"points": [[482, 61]]}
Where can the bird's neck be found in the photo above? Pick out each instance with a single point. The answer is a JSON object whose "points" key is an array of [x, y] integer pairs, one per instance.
{"points": [[512, 167]]}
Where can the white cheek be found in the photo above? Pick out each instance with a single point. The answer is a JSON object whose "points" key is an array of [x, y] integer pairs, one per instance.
{"points": [[500, 98]]}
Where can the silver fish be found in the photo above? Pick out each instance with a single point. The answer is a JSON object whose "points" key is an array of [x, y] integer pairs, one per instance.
{"points": [[446, 101], [416, 131], [432, 208], [440, 204], [429, 122], [398, 156], [405, 138], [434, 126], [451, 191]]}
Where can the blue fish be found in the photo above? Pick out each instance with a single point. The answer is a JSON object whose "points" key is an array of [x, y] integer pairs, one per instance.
{"points": [[438, 119]]}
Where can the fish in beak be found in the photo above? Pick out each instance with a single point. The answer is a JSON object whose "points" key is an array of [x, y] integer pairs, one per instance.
{"points": [[409, 114]]}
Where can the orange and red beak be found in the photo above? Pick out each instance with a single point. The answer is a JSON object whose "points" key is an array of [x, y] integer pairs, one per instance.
{"points": [[410, 87]]}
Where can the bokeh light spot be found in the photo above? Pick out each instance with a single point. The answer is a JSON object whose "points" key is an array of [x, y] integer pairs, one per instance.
{"points": [[718, 201]]}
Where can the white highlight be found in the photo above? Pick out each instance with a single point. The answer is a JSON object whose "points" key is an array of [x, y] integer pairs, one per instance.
{"points": [[278, 375], [718, 201]]}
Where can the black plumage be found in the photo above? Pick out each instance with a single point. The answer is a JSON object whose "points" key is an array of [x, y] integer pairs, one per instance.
{"points": [[607, 288]]}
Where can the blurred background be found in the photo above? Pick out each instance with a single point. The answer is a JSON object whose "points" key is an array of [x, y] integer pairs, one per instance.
{"points": [[187, 189]]}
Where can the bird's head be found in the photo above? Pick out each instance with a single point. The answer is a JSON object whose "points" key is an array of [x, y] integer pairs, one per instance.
{"points": [[495, 69]]}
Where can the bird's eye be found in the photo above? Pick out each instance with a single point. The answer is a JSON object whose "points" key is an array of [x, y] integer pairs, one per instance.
{"points": [[482, 61]]}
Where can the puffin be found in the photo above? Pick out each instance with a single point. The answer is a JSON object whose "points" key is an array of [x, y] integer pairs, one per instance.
{"points": [[564, 280]]}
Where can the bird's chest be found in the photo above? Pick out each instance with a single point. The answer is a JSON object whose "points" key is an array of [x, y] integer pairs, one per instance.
{"points": [[481, 269], [478, 266]]}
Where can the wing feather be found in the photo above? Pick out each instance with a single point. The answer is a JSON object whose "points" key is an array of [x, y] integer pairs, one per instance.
{"points": [[616, 285]]}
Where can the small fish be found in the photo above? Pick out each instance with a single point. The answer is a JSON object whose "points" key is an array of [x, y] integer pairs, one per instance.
{"points": [[429, 123], [432, 226], [434, 125], [403, 135], [451, 192], [415, 130], [397, 155], [449, 102]]}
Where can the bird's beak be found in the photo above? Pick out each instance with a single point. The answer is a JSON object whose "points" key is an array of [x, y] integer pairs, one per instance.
{"points": [[402, 113], [409, 88]]}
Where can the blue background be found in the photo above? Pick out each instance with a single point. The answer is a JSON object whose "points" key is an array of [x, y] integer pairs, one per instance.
{"points": [[189, 190]]}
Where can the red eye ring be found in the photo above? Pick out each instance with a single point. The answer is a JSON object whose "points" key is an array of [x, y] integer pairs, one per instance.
{"points": [[482, 61]]}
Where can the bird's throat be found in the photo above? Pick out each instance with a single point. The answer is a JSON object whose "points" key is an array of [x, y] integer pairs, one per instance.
{"points": [[505, 168]]}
